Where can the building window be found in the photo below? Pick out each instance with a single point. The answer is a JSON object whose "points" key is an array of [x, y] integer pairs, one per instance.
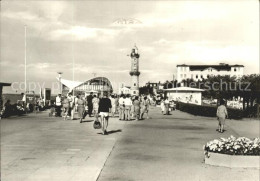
{"points": [[184, 75], [207, 76], [192, 76], [181, 75], [134, 92], [201, 76], [134, 84], [197, 76], [235, 69]]}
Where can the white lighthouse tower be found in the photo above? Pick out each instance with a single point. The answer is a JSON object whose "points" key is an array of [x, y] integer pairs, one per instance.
{"points": [[135, 71]]}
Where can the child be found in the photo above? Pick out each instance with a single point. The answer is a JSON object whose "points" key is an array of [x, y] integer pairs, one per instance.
{"points": [[222, 115]]}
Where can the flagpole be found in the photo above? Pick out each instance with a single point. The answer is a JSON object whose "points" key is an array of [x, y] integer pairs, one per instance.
{"points": [[25, 63], [73, 58]]}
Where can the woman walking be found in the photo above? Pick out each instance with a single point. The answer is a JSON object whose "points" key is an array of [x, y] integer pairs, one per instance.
{"points": [[144, 107], [222, 114], [66, 107], [136, 105], [103, 110], [81, 107]]}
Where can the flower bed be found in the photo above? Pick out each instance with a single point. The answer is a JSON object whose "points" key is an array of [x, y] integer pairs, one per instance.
{"points": [[233, 152]]}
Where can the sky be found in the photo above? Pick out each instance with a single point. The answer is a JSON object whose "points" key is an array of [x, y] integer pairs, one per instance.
{"points": [[93, 36]]}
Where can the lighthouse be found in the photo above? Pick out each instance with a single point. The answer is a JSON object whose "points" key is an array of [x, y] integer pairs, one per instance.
{"points": [[134, 71]]}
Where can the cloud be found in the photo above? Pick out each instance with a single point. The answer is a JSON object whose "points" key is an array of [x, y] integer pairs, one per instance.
{"points": [[20, 15], [80, 33]]}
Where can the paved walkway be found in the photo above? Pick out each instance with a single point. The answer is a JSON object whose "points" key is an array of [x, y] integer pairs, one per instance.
{"points": [[170, 148], [39, 148]]}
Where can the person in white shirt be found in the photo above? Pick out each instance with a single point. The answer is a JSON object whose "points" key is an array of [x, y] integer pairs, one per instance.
{"points": [[58, 105], [121, 107], [72, 104], [95, 102], [128, 105]]}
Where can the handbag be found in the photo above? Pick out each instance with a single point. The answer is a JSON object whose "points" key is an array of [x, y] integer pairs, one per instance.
{"points": [[97, 124]]}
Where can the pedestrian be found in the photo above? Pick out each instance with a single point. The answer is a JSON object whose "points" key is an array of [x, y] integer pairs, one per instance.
{"points": [[162, 106], [72, 105], [76, 104], [104, 109], [121, 107], [23, 101], [136, 105], [66, 107], [90, 104], [167, 105], [95, 102], [116, 104], [128, 105], [58, 105], [222, 114], [113, 103], [144, 107], [81, 107]]}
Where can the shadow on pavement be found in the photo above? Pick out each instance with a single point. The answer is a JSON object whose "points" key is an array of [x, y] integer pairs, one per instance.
{"points": [[114, 131], [87, 121]]}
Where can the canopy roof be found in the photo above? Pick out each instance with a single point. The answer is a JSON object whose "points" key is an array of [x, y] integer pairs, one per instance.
{"points": [[70, 84], [184, 89]]}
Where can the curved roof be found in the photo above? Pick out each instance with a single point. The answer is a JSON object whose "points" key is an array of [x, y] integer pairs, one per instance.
{"points": [[74, 84], [98, 79]]}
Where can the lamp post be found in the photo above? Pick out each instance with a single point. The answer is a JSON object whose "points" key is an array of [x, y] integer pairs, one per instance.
{"points": [[60, 81]]}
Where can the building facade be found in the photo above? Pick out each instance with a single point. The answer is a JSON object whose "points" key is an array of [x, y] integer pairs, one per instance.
{"points": [[134, 73], [199, 72]]}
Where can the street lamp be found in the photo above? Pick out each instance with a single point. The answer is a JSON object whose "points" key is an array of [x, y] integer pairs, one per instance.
{"points": [[60, 81]]}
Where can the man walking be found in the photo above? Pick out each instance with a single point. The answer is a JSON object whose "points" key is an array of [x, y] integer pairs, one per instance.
{"points": [[58, 105], [121, 107], [128, 105], [90, 104], [104, 109]]}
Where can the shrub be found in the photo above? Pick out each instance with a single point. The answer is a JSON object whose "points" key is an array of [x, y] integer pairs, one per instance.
{"points": [[208, 111]]}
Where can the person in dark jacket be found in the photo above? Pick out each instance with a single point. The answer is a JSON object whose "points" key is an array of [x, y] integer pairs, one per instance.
{"points": [[104, 109], [90, 104]]}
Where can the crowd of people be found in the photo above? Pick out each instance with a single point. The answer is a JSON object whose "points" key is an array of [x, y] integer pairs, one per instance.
{"points": [[101, 107]]}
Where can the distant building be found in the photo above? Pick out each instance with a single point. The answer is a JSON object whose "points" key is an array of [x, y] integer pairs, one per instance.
{"points": [[198, 72], [124, 90]]}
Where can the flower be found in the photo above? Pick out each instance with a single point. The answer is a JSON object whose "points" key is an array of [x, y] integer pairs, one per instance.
{"points": [[233, 145]]}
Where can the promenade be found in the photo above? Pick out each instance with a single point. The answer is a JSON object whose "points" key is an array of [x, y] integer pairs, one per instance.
{"points": [[36, 147]]}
